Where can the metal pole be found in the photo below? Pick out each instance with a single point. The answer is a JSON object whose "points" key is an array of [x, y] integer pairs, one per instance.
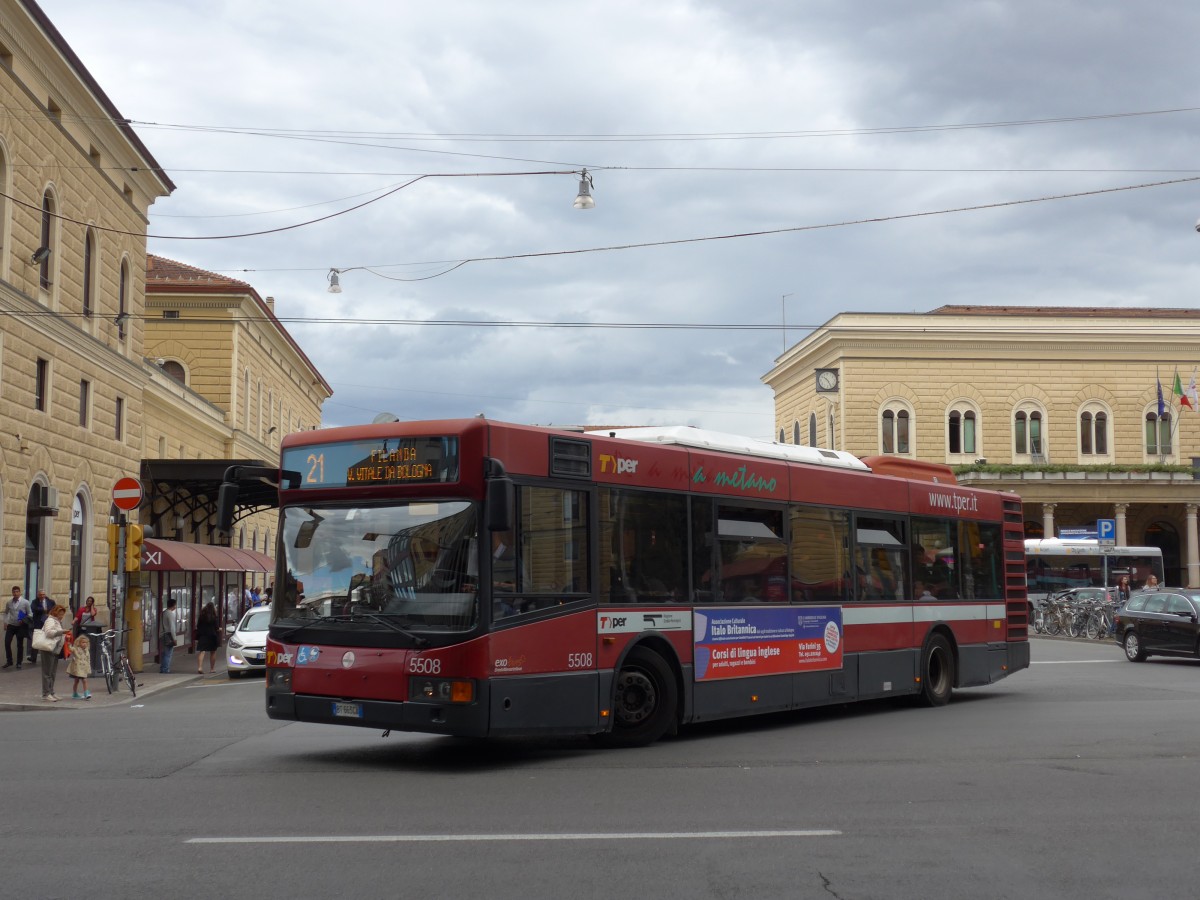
{"points": [[122, 578]]}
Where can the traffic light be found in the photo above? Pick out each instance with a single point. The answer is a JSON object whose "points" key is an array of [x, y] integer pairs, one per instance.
{"points": [[114, 543], [133, 548]]}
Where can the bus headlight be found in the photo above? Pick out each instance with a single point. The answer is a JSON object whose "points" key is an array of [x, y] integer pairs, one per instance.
{"points": [[280, 679], [441, 690]]}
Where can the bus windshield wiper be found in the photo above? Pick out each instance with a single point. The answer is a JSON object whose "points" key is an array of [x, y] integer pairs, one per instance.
{"points": [[387, 622], [357, 615], [311, 622]]}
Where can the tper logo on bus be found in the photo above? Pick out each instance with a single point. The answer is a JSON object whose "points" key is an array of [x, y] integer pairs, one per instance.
{"points": [[617, 465], [633, 622]]}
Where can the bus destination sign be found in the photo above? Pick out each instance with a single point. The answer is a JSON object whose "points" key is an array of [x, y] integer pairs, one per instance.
{"points": [[393, 461]]}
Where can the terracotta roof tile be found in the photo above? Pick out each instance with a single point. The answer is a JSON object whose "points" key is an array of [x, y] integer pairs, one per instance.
{"points": [[161, 271]]}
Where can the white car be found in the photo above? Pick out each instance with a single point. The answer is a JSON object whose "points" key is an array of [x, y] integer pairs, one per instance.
{"points": [[247, 646]]}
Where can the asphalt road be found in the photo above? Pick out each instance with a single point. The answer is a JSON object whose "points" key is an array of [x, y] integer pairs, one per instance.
{"points": [[1074, 779]]}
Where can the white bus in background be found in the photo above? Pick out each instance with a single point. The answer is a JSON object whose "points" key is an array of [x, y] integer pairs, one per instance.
{"points": [[1054, 564]]}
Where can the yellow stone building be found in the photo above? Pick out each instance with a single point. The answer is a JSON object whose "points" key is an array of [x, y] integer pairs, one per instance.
{"points": [[227, 382], [77, 184], [1059, 405], [100, 376]]}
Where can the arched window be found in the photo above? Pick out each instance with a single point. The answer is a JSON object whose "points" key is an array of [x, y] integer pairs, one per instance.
{"points": [[5, 208], [782, 436], [89, 273], [45, 248], [961, 431], [895, 437], [1028, 431], [812, 430], [1093, 431], [796, 432], [123, 300], [174, 369], [1158, 433]]}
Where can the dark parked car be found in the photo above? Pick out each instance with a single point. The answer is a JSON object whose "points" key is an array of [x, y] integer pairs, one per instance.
{"points": [[1165, 622]]}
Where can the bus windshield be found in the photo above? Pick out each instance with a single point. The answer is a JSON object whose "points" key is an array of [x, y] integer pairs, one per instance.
{"points": [[406, 566]]}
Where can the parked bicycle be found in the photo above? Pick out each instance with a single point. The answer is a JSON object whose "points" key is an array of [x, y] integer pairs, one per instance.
{"points": [[114, 663], [1077, 612]]}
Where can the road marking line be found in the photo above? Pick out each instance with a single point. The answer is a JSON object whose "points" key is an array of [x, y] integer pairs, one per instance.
{"points": [[1071, 662], [448, 838]]}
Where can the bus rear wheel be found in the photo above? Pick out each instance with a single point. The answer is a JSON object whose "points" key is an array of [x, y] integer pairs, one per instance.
{"points": [[937, 672], [645, 703]]}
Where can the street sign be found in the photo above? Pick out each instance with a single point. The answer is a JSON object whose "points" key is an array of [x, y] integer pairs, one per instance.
{"points": [[1106, 531], [127, 494]]}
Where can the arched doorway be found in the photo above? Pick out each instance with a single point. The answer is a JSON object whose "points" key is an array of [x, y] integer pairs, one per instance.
{"points": [[1164, 536], [37, 509], [79, 540]]}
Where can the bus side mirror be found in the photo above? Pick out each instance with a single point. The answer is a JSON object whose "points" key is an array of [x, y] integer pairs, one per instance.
{"points": [[501, 498]]}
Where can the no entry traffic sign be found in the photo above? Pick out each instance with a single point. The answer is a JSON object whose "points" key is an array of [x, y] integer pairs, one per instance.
{"points": [[127, 494]]}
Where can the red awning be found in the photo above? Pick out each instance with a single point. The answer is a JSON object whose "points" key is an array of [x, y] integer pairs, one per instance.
{"points": [[175, 556]]}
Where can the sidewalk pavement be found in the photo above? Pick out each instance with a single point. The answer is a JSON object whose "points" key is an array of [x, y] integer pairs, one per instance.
{"points": [[21, 689]]}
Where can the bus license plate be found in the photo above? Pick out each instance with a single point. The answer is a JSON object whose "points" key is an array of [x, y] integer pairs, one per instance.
{"points": [[348, 710]]}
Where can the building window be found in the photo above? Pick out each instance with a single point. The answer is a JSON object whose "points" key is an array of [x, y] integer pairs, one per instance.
{"points": [[89, 273], [122, 299], [1093, 432], [895, 431], [795, 432], [85, 399], [41, 385], [961, 431], [119, 426], [173, 369], [782, 436], [832, 443], [47, 231], [1158, 434], [812, 430], [1027, 434]]}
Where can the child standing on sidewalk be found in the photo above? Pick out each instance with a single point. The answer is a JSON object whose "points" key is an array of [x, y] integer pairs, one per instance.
{"points": [[80, 666]]}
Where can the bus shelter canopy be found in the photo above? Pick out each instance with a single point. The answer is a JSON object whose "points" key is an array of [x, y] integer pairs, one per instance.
{"points": [[160, 555]]}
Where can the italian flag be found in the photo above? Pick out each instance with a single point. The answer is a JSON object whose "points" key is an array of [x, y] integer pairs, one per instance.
{"points": [[1184, 399]]}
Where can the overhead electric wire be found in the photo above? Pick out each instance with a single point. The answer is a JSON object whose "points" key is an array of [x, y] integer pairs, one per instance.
{"points": [[502, 137], [791, 230]]}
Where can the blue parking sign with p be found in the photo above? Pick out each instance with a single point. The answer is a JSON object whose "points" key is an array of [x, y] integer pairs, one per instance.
{"points": [[1106, 530]]}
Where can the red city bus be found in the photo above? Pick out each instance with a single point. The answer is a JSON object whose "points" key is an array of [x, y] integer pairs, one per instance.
{"points": [[472, 577]]}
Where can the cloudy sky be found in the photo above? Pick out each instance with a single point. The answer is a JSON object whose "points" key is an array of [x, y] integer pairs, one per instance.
{"points": [[701, 122]]}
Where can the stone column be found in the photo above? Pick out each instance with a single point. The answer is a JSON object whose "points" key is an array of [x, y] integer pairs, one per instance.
{"points": [[1193, 547], [1048, 520], [1120, 509]]}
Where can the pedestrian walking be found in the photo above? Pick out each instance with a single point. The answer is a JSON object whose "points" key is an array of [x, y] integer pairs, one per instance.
{"points": [[16, 625], [39, 610], [80, 666], [208, 638], [166, 631], [52, 632]]}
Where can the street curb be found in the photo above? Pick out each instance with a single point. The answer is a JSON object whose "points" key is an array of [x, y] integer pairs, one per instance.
{"points": [[101, 700]]}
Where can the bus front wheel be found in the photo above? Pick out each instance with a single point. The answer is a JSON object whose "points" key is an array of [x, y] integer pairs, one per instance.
{"points": [[646, 700], [937, 671]]}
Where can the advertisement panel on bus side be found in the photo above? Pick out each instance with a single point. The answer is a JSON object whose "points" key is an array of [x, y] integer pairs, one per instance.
{"points": [[741, 642]]}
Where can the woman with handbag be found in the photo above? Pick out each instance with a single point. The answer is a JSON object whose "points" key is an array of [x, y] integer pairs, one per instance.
{"points": [[48, 641]]}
